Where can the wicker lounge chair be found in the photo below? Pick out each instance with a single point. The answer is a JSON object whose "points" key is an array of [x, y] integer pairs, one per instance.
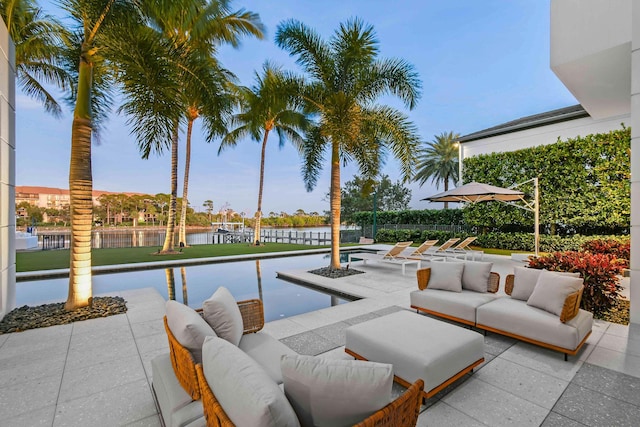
{"points": [[403, 411]]}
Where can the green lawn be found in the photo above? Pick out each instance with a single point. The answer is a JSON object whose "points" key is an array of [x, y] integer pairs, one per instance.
{"points": [[54, 259]]}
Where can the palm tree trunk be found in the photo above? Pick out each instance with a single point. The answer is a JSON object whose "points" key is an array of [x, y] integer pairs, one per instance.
{"points": [[256, 230], [185, 188], [171, 220], [446, 188], [335, 206], [80, 191]]}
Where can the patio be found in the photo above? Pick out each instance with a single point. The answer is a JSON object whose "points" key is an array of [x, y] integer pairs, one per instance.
{"points": [[97, 372]]}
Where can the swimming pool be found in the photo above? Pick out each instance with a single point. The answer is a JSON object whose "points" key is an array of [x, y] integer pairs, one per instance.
{"points": [[194, 284]]}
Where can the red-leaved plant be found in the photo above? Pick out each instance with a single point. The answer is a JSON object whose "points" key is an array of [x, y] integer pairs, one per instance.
{"points": [[620, 249], [599, 271]]}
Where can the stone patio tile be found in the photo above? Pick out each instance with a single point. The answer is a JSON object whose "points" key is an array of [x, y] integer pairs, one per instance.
{"points": [[543, 360], [28, 367], [612, 383], [557, 420], [497, 344], [154, 313], [37, 418], [621, 362], [596, 409], [492, 406], [626, 344], [149, 343], [362, 318], [308, 343], [146, 361], [29, 396], [387, 310], [97, 378], [152, 421], [312, 320], [92, 326], [51, 340], [115, 406], [150, 327], [98, 352], [334, 332], [3, 338], [283, 328], [534, 386], [623, 330], [101, 336], [441, 414]]}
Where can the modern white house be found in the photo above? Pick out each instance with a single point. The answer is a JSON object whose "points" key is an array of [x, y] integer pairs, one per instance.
{"points": [[595, 52], [7, 172]]}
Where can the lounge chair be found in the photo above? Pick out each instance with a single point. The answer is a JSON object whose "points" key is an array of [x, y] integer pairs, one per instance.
{"points": [[393, 255], [442, 250], [463, 249], [422, 249]]}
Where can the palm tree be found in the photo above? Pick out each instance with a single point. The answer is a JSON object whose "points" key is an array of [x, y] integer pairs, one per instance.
{"points": [[439, 161], [195, 29], [208, 206], [38, 40], [347, 78], [98, 23], [272, 103]]}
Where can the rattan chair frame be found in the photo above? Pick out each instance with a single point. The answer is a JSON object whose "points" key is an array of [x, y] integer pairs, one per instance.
{"points": [[402, 412], [424, 274]]}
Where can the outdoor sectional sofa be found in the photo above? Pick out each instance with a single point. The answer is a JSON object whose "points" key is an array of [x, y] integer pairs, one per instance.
{"points": [[222, 370], [540, 307]]}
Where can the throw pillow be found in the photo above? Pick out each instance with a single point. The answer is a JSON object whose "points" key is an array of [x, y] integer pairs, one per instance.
{"points": [[524, 281], [552, 290], [334, 392], [446, 276], [245, 391], [475, 276], [188, 327], [222, 313]]}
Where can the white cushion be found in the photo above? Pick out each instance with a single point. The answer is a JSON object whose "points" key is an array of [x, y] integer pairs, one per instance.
{"points": [[247, 394], [459, 305], [475, 276], [446, 276], [188, 327], [334, 392], [524, 281], [552, 290], [222, 313], [267, 351]]}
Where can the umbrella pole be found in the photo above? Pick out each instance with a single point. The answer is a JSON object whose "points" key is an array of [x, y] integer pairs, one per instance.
{"points": [[536, 215]]}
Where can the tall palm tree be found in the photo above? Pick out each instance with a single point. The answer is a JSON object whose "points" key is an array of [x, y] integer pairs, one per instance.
{"points": [[439, 161], [97, 23], [271, 104], [196, 29], [347, 79], [38, 40]]}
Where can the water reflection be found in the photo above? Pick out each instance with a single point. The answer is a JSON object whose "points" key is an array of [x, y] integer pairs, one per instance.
{"points": [[183, 276], [171, 283], [259, 277]]}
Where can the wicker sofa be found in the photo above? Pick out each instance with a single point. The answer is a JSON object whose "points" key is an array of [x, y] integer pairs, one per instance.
{"points": [[565, 331], [186, 399]]}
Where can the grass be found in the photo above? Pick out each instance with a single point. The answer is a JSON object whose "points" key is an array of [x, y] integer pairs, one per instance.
{"points": [[55, 259]]}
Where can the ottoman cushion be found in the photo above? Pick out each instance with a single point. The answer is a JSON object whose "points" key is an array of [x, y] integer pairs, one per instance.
{"points": [[416, 346]]}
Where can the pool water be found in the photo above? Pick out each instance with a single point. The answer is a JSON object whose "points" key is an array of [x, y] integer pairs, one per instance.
{"points": [[193, 284]]}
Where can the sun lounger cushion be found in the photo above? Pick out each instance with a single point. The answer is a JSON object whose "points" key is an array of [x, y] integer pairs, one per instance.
{"points": [[222, 313], [446, 276], [459, 305], [188, 327], [475, 275], [267, 351], [516, 317], [245, 391], [552, 290], [334, 392]]}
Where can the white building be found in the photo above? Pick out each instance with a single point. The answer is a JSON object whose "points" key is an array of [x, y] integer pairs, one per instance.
{"points": [[595, 52]]}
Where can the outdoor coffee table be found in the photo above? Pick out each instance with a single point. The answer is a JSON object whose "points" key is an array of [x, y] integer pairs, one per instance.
{"points": [[418, 347]]}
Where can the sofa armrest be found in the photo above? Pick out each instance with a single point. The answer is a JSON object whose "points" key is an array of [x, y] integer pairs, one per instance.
{"points": [[508, 284], [494, 282], [252, 315], [571, 306], [423, 275]]}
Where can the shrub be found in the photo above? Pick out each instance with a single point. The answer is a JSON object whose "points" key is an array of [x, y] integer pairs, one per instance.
{"points": [[619, 248], [599, 271]]}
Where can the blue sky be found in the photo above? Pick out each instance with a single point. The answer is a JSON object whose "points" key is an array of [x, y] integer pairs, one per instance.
{"points": [[481, 63]]}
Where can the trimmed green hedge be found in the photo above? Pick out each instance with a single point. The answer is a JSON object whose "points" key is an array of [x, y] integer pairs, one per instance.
{"points": [[524, 241]]}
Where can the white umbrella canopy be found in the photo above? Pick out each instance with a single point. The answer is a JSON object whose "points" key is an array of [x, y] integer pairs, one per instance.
{"points": [[474, 192]]}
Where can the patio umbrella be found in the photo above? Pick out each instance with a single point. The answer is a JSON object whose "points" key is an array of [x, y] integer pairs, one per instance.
{"points": [[476, 192]]}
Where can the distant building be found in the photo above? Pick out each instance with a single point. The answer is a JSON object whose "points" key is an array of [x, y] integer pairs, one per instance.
{"points": [[52, 198]]}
